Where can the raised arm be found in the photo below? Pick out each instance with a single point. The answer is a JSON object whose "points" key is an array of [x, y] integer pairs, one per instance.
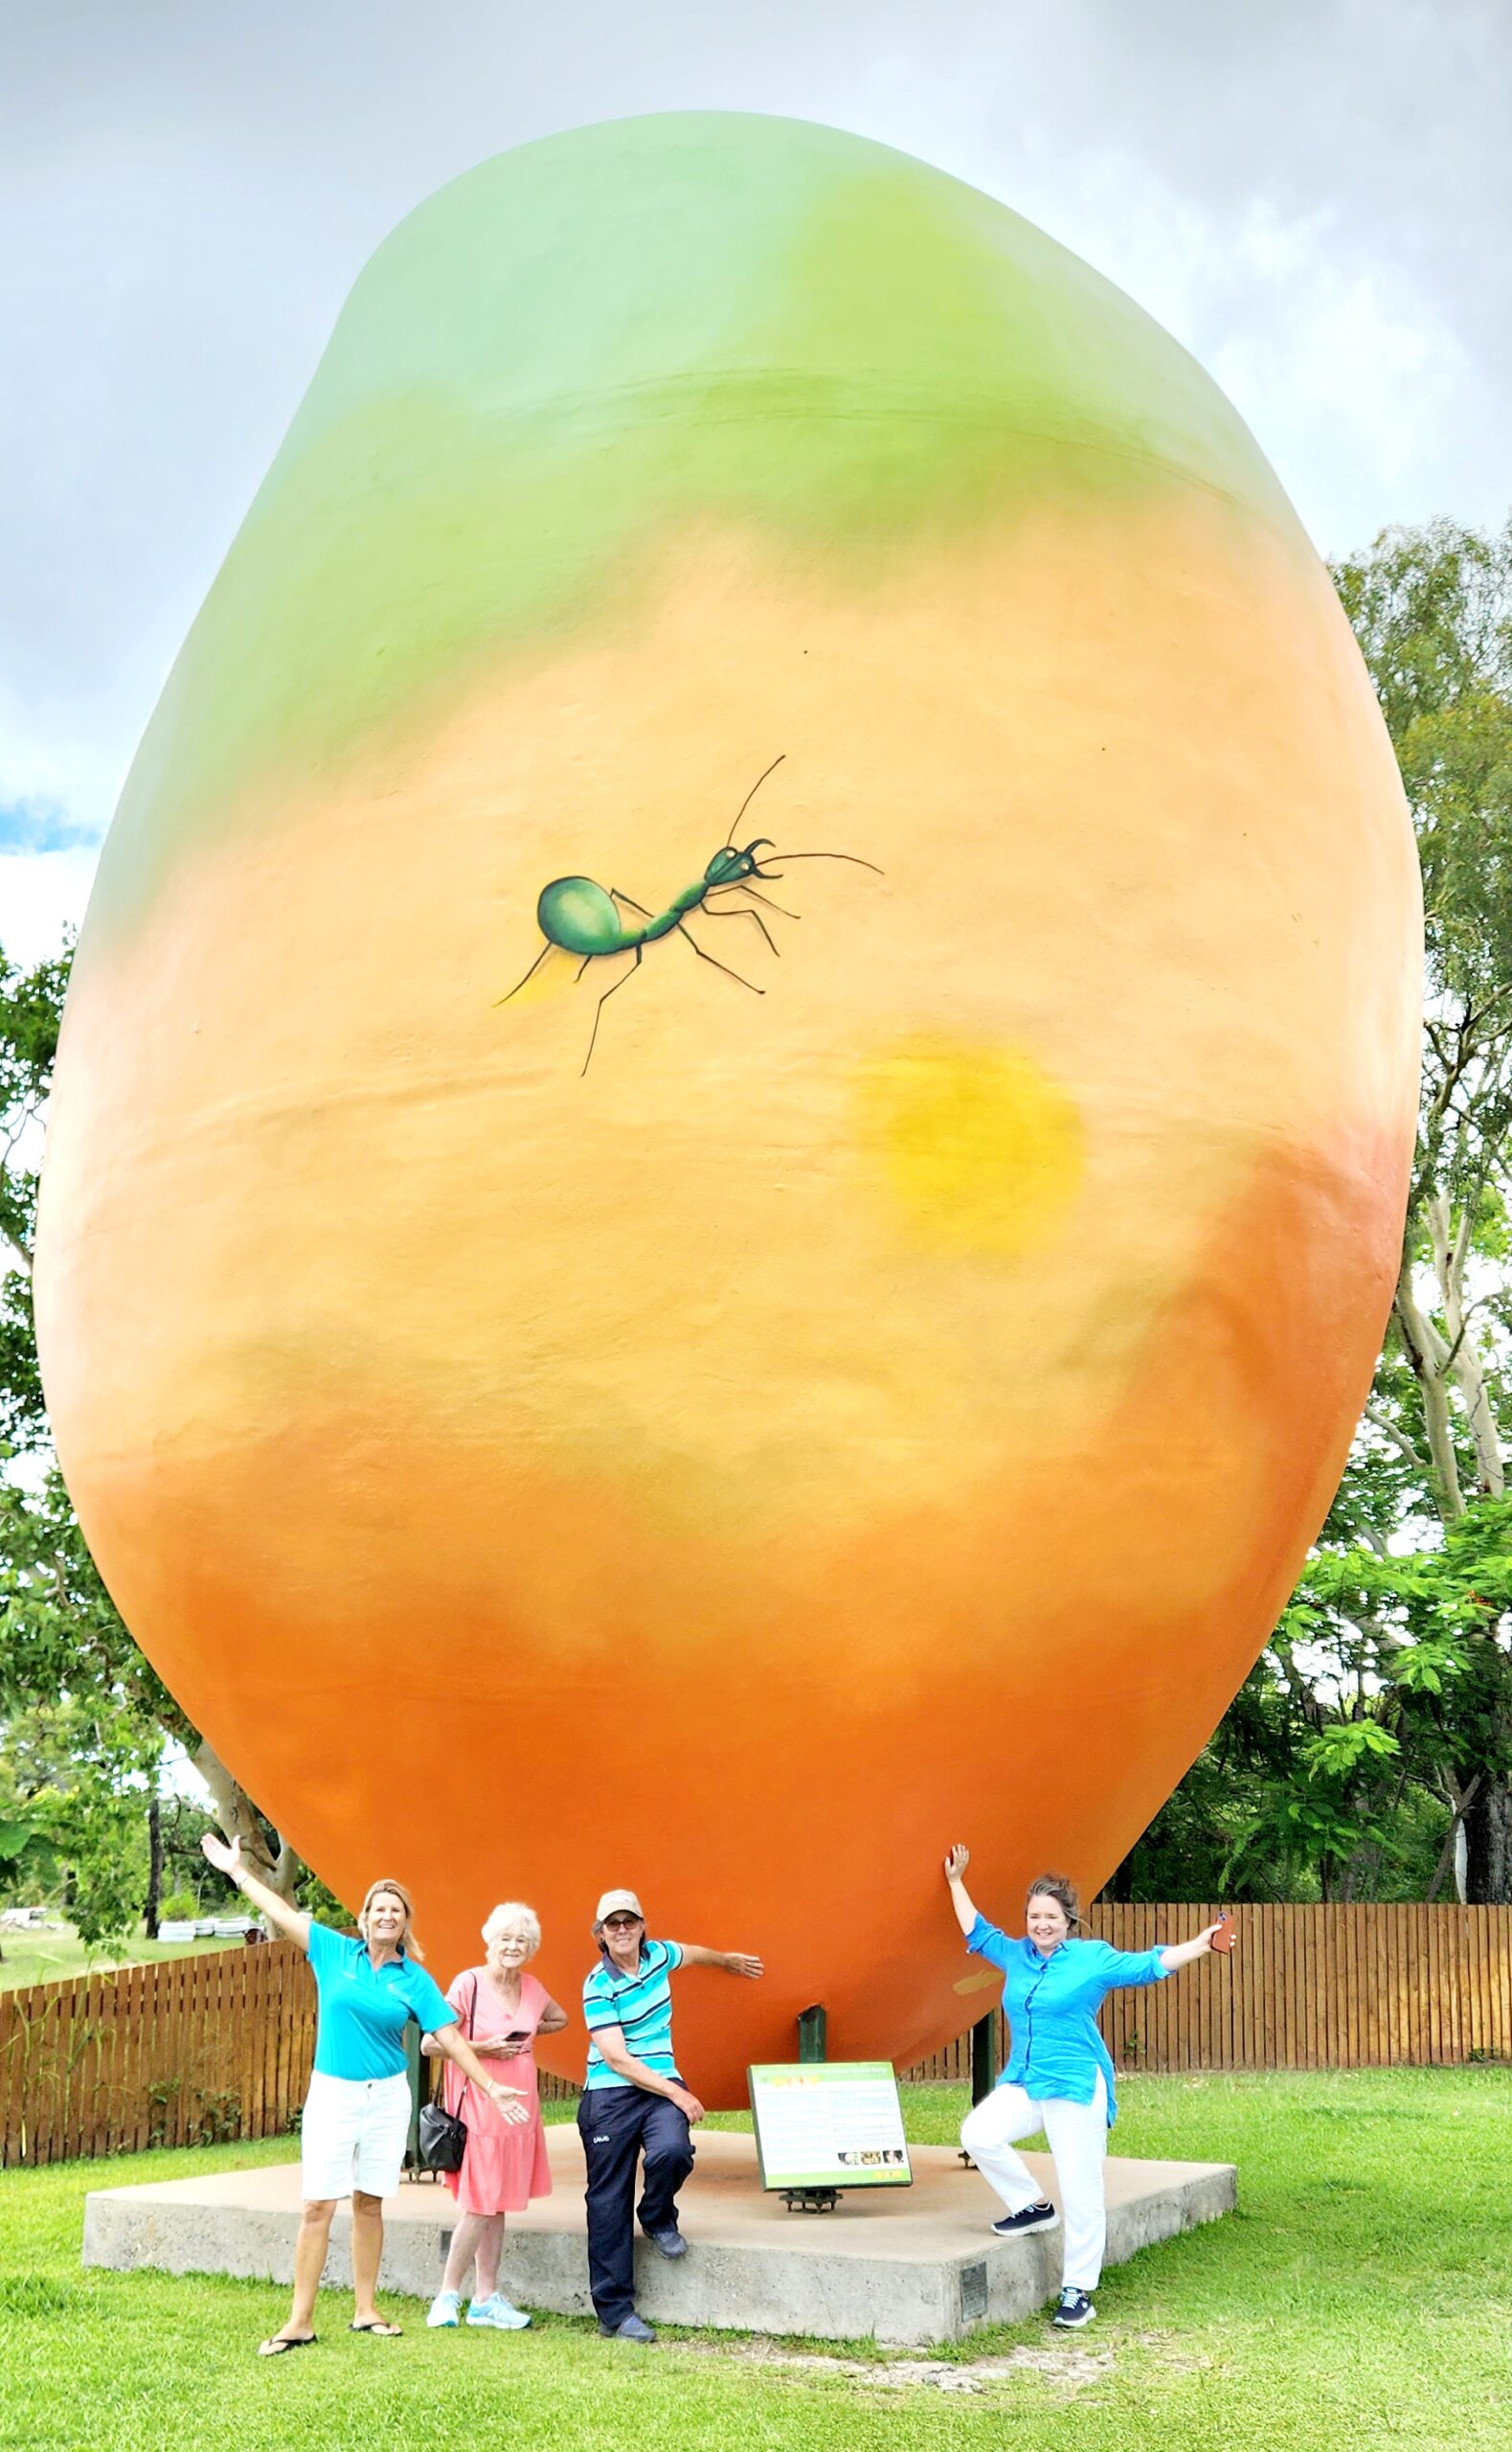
{"points": [[729, 1962], [956, 1864], [1182, 1953], [226, 1857]]}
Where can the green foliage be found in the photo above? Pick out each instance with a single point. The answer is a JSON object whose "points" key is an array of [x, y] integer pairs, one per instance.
{"points": [[212, 2117], [312, 1893], [1432, 608], [27, 1854], [30, 1012]]}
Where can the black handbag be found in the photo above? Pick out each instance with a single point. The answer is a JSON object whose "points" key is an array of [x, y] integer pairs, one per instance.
{"points": [[441, 2135]]}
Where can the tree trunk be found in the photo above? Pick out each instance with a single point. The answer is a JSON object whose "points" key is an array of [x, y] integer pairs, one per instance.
{"points": [[1488, 1845], [154, 1867], [238, 1817], [1463, 1359], [1428, 1355]]}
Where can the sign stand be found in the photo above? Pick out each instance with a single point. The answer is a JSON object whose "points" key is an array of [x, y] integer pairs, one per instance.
{"points": [[813, 2030], [823, 2126]]}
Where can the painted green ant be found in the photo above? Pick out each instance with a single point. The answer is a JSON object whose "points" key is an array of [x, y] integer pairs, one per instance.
{"points": [[579, 916]]}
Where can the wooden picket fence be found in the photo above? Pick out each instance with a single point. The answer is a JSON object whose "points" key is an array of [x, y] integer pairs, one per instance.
{"points": [[195, 2048], [176, 2053]]}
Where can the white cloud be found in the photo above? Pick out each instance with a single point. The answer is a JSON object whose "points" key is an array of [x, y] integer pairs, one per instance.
{"points": [[40, 895]]}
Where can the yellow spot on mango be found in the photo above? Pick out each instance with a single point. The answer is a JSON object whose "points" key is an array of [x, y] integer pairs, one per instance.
{"points": [[988, 1980], [980, 1150]]}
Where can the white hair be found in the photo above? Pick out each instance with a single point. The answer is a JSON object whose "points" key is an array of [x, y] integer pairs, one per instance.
{"points": [[513, 1916]]}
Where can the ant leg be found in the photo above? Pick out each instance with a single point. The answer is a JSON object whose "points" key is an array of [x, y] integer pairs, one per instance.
{"points": [[617, 897], [739, 886], [583, 964], [530, 975], [717, 964], [603, 1001], [744, 915]]}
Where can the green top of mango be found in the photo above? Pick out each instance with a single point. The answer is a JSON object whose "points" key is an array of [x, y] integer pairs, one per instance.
{"points": [[573, 350]]}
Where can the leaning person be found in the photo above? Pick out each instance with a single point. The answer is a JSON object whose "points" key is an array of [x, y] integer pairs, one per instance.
{"points": [[1059, 2075], [356, 2118], [502, 2009], [634, 2102]]}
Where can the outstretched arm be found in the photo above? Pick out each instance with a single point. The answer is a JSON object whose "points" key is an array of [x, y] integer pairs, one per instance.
{"points": [[728, 1961], [956, 1864], [226, 1857], [453, 2045], [1182, 1953]]}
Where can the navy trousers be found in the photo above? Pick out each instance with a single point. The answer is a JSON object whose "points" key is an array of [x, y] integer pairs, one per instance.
{"points": [[617, 2124]]}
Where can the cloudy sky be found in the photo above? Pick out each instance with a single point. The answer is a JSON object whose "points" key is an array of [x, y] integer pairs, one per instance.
{"points": [[1315, 196]]}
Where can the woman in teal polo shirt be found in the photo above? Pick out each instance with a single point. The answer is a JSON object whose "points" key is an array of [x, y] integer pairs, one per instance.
{"points": [[356, 2116], [1059, 2076]]}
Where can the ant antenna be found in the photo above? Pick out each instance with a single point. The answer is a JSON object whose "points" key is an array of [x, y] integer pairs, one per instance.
{"points": [[851, 856], [750, 795]]}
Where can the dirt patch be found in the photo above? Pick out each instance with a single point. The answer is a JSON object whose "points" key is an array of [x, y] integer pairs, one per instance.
{"points": [[1068, 2369]]}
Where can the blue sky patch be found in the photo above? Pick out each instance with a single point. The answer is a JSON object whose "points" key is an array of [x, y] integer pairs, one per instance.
{"points": [[33, 825]]}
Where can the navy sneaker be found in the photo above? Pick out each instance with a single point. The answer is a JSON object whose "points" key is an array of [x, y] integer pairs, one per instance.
{"points": [[631, 2327], [1075, 2309], [669, 2242], [1029, 2217]]}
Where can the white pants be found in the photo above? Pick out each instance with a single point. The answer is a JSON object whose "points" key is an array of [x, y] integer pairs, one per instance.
{"points": [[1077, 2137], [352, 2134]]}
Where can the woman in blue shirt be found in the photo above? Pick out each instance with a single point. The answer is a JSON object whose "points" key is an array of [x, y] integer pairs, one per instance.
{"points": [[1059, 2075], [356, 2117]]}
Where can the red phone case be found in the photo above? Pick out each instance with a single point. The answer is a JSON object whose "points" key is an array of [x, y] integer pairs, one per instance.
{"points": [[1222, 1939]]}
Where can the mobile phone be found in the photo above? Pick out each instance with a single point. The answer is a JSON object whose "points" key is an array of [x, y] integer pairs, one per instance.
{"points": [[518, 2034], [1222, 1937]]}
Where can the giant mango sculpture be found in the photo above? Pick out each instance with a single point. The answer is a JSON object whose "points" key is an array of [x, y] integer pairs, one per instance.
{"points": [[886, 1394]]}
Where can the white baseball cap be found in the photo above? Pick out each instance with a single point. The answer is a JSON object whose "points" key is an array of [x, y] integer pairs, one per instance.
{"points": [[619, 1902]]}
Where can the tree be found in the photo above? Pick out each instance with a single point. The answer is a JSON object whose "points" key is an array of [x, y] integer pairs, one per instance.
{"points": [[1433, 611], [62, 1637]]}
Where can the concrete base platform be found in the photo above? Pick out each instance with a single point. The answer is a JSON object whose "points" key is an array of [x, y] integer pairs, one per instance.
{"points": [[902, 2265]]}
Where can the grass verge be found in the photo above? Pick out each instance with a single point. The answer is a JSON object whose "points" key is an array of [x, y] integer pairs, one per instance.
{"points": [[1361, 2298]]}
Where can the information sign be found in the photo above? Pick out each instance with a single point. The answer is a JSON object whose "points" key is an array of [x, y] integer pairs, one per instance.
{"points": [[830, 2124]]}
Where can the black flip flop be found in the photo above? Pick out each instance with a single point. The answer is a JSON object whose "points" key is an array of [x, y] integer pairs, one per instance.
{"points": [[278, 2342], [382, 2330]]}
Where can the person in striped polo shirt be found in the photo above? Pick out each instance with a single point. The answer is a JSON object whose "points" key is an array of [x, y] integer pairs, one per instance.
{"points": [[634, 2101]]}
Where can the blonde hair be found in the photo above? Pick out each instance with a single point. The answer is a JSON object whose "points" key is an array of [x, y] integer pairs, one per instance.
{"points": [[513, 1916], [407, 1941]]}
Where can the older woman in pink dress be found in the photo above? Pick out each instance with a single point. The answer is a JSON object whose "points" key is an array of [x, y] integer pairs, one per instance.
{"points": [[501, 2008]]}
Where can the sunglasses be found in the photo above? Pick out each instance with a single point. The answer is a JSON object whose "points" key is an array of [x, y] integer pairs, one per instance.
{"points": [[622, 1923]]}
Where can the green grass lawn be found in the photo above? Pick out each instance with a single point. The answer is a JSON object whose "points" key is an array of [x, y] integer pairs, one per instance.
{"points": [[1362, 2298], [42, 1957]]}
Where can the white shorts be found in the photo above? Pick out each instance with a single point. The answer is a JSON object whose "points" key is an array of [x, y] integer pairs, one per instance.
{"points": [[353, 2135]]}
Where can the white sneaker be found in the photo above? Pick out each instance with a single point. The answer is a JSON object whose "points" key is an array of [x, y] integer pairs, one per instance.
{"points": [[445, 2310], [497, 2312]]}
